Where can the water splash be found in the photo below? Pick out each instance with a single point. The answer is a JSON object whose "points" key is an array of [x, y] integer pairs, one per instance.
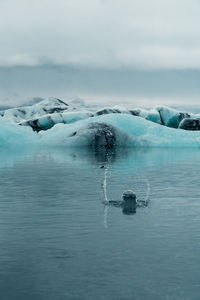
{"points": [[106, 201], [148, 191], [105, 186]]}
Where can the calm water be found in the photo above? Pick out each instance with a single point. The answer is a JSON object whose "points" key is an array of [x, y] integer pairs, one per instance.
{"points": [[58, 241]]}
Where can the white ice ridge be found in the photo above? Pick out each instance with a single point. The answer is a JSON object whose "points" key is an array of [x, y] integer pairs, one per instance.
{"points": [[120, 130], [59, 123], [47, 113], [45, 107]]}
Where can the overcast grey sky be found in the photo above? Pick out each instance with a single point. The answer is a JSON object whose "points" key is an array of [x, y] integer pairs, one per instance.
{"points": [[105, 33], [139, 35]]}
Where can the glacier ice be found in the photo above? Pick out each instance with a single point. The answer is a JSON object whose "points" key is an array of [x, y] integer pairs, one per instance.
{"points": [[50, 108], [70, 124], [112, 110], [47, 121], [47, 106], [160, 114], [190, 124], [170, 117], [14, 135], [151, 115], [130, 131]]}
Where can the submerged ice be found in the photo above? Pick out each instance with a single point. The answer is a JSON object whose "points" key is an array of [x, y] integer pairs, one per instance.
{"points": [[72, 124]]}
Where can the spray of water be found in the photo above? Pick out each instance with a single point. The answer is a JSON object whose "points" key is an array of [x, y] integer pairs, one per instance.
{"points": [[105, 186], [106, 200], [106, 207], [148, 191]]}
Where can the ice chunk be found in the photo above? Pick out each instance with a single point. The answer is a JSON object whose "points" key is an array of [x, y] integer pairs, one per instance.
{"points": [[44, 107], [95, 134], [105, 131], [112, 110], [190, 124], [151, 115], [47, 121], [170, 117], [130, 131], [12, 134]]}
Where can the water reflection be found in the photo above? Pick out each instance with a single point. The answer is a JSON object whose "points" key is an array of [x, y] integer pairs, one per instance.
{"points": [[123, 158]]}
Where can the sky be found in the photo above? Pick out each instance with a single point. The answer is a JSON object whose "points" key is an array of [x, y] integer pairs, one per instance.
{"points": [[147, 50]]}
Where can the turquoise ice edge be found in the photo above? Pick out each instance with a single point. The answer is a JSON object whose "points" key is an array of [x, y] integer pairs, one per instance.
{"points": [[131, 131]]}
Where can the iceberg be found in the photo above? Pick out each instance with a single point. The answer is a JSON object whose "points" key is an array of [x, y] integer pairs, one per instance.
{"points": [[190, 124], [53, 122], [14, 135], [164, 115], [47, 106], [48, 121], [170, 117], [151, 115], [129, 131], [112, 110]]}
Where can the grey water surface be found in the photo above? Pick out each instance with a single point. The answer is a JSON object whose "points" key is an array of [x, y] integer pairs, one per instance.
{"points": [[59, 241]]}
